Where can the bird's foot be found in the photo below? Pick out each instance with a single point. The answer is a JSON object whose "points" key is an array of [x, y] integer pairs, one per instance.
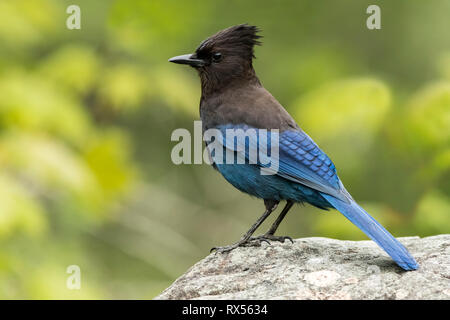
{"points": [[252, 242], [226, 248], [270, 237], [249, 242]]}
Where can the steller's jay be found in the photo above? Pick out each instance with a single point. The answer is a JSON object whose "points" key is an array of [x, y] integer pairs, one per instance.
{"points": [[232, 97]]}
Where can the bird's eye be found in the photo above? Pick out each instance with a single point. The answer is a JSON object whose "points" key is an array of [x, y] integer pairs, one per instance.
{"points": [[216, 57]]}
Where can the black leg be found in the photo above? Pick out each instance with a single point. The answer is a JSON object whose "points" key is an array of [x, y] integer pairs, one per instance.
{"points": [[269, 235], [280, 218], [271, 205]]}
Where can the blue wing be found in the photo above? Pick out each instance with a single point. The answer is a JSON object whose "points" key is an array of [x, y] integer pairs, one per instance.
{"points": [[299, 158]]}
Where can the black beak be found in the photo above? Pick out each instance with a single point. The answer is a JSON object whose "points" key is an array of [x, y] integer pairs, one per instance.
{"points": [[189, 59]]}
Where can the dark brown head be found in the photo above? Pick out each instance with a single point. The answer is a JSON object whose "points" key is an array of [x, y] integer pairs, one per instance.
{"points": [[224, 58]]}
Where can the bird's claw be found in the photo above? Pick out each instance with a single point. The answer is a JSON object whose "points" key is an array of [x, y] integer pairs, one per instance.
{"points": [[225, 248], [252, 242], [270, 237]]}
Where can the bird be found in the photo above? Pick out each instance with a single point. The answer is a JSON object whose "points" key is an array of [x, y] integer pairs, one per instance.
{"points": [[233, 97]]}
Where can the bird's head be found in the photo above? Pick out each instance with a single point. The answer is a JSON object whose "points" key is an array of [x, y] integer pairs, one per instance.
{"points": [[225, 56]]}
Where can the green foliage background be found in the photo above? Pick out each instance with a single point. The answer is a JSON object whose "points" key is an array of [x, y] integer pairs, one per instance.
{"points": [[86, 117]]}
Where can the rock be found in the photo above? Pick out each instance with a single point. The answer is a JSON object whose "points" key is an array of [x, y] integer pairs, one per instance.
{"points": [[318, 268]]}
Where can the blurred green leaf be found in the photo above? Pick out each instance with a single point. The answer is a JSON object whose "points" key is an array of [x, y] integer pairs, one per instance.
{"points": [[75, 66], [20, 211], [351, 107], [50, 168], [428, 119], [432, 214], [176, 89], [122, 86], [24, 23], [108, 156], [34, 104]]}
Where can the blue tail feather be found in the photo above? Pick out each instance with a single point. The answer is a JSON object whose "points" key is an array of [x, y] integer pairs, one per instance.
{"points": [[359, 217]]}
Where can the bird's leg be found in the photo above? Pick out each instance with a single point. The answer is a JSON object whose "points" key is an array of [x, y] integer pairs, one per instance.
{"points": [[269, 235], [280, 218], [271, 205]]}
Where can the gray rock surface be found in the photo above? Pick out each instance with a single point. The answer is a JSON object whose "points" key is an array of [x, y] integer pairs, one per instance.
{"points": [[318, 268]]}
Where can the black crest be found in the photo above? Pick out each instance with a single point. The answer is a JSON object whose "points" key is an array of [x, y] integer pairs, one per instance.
{"points": [[238, 39]]}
